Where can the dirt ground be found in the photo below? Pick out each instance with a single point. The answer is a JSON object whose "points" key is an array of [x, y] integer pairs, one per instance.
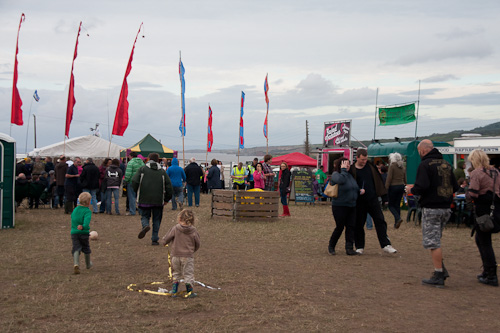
{"points": [[274, 276]]}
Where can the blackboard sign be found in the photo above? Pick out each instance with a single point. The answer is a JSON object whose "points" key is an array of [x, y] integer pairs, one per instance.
{"points": [[337, 134], [303, 186]]}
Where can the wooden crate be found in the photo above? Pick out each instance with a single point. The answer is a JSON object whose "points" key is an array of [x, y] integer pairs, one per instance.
{"points": [[245, 205]]}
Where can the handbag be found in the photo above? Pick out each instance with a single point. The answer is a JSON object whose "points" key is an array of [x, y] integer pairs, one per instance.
{"points": [[485, 222], [332, 191]]}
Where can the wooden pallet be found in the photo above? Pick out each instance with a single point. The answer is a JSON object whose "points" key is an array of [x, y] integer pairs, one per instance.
{"points": [[245, 205]]}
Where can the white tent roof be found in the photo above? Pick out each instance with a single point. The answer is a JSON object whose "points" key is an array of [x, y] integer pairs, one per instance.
{"points": [[83, 146]]}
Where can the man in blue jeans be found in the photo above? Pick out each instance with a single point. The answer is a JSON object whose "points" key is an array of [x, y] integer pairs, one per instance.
{"points": [[193, 181], [177, 177], [89, 179], [154, 190], [133, 166]]}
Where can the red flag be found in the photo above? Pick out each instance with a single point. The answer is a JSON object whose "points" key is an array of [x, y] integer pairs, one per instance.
{"points": [[71, 92], [16, 115], [121, 116], [210, 138]]}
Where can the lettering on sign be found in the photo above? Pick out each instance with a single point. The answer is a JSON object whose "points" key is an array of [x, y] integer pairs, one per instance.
{"points": [[337, 134]]}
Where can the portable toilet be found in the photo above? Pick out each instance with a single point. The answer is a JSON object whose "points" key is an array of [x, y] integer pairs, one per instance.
{"points": [[7, 180]]}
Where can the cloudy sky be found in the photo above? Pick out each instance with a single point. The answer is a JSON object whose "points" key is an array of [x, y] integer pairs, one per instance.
{"points": [[325, 60]]}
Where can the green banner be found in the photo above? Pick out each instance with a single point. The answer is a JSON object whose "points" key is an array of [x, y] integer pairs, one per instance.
{"points": [[396, 115]]}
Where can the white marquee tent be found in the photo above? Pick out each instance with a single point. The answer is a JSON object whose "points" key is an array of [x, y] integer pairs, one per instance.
{"points": [[83, 146]]}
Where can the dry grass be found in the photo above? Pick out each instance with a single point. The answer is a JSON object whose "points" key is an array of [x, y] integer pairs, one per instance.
{"points": [[275, 276]]}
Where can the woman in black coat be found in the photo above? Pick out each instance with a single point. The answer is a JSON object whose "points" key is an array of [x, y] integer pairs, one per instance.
{"points": [[284, 185], [213, 176]]}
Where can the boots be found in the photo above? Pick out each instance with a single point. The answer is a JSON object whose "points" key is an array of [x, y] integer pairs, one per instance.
{"points": [[445, 271], [68, 207], [88, 263], [436, 280], [491, 278], [76, 262], [189, 291], [175, 287], [286, 211]]}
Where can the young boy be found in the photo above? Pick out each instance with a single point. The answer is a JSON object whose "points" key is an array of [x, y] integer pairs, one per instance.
{"points": [[80, 226], [185, 242]]}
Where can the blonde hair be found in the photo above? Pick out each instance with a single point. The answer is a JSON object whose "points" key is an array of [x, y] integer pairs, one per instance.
{"points": [[186, 216], [479, 159], [84, 198]]}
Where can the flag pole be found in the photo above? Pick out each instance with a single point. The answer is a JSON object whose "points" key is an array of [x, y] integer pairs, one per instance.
{"points": [[206, 155], [27, 130], [183, 123], [375, 122], [418, 105], [34, 128], [109, 146]]}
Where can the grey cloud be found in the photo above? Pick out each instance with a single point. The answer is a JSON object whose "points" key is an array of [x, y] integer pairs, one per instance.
{"points": [[440, 78], [144, 85], [458, 33], [64, 27]]}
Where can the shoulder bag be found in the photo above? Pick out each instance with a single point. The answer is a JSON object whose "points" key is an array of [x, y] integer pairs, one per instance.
{"points": [[332, 191], [485, 222]]}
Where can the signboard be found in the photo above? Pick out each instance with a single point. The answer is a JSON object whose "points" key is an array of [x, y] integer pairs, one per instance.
{"points": [[337, 134], [303, 185]]}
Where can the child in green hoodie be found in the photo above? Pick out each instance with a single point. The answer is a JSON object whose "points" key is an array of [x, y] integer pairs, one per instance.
{"points": [[80, 227]]}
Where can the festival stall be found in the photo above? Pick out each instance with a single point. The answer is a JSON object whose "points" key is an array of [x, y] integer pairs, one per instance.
{"points": [[148, 145], [295, 159], [7, 181], [408, 151], [83, 146]]}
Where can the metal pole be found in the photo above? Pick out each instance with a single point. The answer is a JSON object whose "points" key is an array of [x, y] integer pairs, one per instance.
{"points": [[34, 124], [418, 106], [375, 122], [27, 130]]}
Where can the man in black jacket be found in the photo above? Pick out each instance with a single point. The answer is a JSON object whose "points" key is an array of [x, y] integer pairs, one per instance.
{"points": [[435, 184], [89, 180], [193, 180], [372, 187]]}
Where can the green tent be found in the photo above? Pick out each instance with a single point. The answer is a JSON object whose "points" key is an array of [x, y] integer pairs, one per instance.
{"points": [[148, 145], [408, 150]]}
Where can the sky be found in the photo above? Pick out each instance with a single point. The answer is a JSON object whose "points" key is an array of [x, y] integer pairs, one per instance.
{"points": [[325, 61]]}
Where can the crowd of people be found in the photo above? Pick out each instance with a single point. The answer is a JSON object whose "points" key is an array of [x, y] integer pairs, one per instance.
{"points": [[362, 189]]}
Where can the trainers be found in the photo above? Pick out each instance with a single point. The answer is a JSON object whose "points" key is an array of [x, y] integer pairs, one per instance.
{"points": [[331, 250], [351, 252], [389, 249], [143, 232], [76, 269], [360, 251], [436, 280], [191, 294], [398, 224]]}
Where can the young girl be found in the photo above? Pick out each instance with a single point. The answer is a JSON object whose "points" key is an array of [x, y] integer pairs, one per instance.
{"points": [[258, 177], [185, 242]]}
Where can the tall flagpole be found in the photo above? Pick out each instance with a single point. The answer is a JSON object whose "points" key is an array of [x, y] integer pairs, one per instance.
{"points": [[183, 120], [27, 129], [206, 155], [418, 105], [375, 122], [34, 127]]}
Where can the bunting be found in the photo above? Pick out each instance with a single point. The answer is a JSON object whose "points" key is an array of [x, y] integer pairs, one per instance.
{"points": [[210, 138], [71, 91], [16, 115], [266, 89], [121, 116], [242, 140], [182, 125]]}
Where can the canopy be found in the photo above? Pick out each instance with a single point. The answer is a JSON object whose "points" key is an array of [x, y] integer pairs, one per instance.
{"points": [[83, 146], [149, 145], [407, 149], [295, 159]]}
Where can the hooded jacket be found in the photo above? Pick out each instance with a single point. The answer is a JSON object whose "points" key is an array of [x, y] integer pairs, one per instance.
{"points": [[459, 171], [152, 185], [185, 240], [176, 173], [348, 188], [90, 176], [113, 176], [435, 182], [193, 174], [132, 166]]}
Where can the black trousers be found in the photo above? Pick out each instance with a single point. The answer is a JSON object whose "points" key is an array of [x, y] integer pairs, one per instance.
{"points": [[370, 206], [60, 194], [345, 217]]}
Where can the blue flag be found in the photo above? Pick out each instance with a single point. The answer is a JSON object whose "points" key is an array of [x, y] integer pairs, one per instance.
{"points": [[35, 96], [182, 126]]}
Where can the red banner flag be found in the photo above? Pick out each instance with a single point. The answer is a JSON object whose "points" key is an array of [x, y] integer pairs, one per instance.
{"points": [[16, 115], [121, 116], [210, 138], [71, 91]]}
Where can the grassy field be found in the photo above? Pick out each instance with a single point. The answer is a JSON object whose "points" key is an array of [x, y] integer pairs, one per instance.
{"points": [[274, 276]]}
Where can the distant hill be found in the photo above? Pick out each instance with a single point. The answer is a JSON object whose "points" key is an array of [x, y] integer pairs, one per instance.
{"points": [[488, 130]]}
